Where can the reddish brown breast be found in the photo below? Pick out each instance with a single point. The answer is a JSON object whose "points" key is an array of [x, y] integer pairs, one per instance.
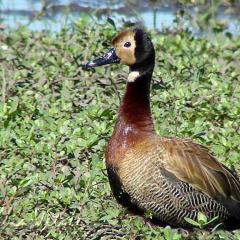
{"points": [[124, 137]]}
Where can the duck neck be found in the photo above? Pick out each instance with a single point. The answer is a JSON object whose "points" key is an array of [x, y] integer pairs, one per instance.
{"points": [[135, 111]]}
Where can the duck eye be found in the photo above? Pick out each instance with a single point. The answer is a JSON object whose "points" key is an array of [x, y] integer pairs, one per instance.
{"points": [[127, 44]]}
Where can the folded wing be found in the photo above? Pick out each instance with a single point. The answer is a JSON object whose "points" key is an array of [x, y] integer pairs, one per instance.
{"points": [[192, 163]]}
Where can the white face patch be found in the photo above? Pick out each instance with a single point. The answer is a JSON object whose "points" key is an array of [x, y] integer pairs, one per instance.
{"points": [[132, 76]]}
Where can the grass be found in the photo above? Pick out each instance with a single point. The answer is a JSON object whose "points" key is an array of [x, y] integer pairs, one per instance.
{"points": [[56, 119]]}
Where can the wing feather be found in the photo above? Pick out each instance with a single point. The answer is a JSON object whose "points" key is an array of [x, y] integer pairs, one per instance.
{"points": [[192, 163]]}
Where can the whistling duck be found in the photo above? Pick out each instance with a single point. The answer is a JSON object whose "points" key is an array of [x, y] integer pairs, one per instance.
{"points": [[170, 178]]}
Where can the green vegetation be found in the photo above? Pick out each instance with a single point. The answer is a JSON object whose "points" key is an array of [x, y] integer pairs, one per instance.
{"points": [[56, 120], [202, 221]]}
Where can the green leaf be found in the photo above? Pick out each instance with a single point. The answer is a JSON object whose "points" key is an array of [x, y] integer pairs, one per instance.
{"points": [[14, 104], [192, 222], [111, 21], [168, 233], [202, 219]]}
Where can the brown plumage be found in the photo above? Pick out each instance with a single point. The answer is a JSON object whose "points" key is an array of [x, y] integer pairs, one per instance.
{"points": [[171, 178]]}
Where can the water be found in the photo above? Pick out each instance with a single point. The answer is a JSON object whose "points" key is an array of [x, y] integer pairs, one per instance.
{"points": [[59, 13], [15, 12]]}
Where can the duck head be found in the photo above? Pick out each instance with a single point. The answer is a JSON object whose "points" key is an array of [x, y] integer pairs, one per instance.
{"points": [[131, 47]]}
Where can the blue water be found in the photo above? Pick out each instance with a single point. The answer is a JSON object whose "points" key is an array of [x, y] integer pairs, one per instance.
{"points": [[21, 12]]}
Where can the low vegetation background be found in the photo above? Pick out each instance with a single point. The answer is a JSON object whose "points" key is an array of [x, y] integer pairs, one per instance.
{"points": [[55, 121]]}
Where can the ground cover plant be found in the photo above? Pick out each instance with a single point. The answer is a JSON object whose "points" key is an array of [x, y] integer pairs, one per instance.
{"points": [[55, 120]]}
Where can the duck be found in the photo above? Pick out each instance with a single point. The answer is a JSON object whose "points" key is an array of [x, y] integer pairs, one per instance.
{"points": [[171, 179]]}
